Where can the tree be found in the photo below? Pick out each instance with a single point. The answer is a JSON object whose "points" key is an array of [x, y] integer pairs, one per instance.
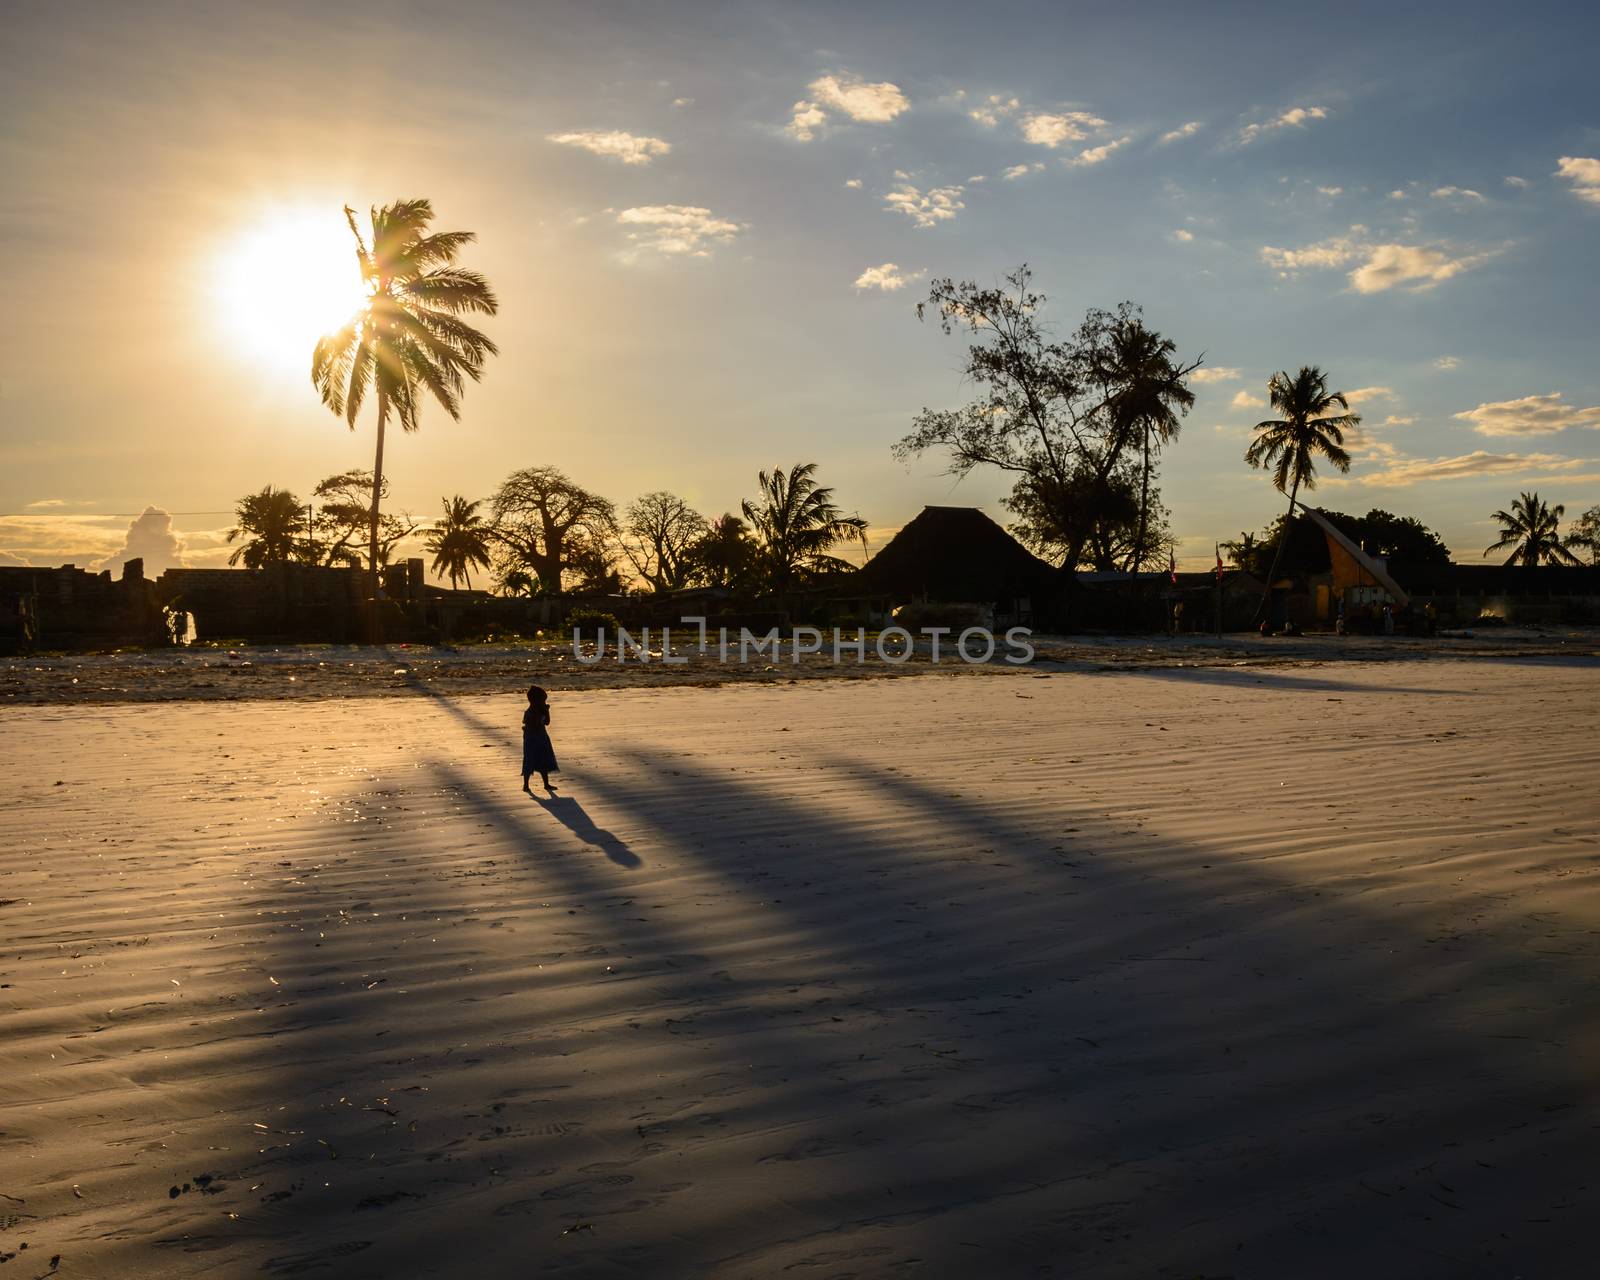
{"points": [[1304, 428], [269, 521], [725, 554], [1095, 525], [536, 513], [343, 506], [1058, 416], [796, 524], [459, 541], [658, 536], [1532, 529], [408, 340], [1585, 534], [1148, 397]]}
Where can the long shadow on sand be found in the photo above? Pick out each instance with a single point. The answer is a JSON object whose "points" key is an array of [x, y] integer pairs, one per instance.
{"points": [[1126, 1061], [572, 816]]}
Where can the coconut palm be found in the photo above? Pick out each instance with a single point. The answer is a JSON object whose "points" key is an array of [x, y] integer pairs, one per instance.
{"points": [[1304, 428], [1148, 396], [1533, 531], [408, 340], [459, 541], [797, 523], [269, 522]]}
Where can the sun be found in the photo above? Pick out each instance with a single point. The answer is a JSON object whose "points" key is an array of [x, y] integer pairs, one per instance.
{"points": [[285, 282]]}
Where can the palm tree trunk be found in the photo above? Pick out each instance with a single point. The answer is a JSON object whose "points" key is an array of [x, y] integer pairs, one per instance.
{"points": [[1144, 507], [377, 492], [1282, 541]]}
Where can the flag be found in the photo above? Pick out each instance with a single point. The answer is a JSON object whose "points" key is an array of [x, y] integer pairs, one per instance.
{"points": [[1219, 561], [1172, 566]]}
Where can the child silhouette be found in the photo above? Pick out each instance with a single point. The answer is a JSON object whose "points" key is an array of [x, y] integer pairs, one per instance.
{"points": [[538, 756]]}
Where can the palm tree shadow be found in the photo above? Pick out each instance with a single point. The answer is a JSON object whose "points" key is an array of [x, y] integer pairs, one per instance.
{"points": [[571, 815]]}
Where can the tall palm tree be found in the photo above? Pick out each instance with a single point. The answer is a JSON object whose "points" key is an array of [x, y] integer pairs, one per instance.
{"points": [[1290, 443], [459, 541], [1148, 396], [1533, 530], [269, 522], [408, 339], [797, 524]]}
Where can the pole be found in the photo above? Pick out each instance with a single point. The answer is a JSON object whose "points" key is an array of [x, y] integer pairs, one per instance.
{"points": [[1218, 550]]}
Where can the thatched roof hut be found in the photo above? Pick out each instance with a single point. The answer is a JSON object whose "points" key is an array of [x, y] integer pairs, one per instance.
{"points": [[949, 554]]}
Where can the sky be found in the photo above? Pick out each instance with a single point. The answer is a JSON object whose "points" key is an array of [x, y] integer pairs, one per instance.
{"points": [[708, 225]]}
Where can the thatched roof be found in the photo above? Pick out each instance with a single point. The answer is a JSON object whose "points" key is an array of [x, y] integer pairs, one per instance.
{"points": [[955, 554]]}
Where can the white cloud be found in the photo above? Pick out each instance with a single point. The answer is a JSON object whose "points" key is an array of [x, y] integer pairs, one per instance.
{"points": [[1216, 373], [151, 538], [630, 148], [1397, 194], [1401, 472], [1183, 236], [1519, 183], [1330, 192], [994, 110], [1020, 171], [1368, 393], [1094, 155], [853, 183], [887, 278], [45, 504], [845, 95], [1461, 194], [1529, 416], [1048, 129], [807, 119], [1293, 118], [1447, 363], [1584, 174], [12, 560], [677, 230], [1245, 400], [1399, 420], [683, 102], [926, 209], [1182, 131], [1380, 266]]}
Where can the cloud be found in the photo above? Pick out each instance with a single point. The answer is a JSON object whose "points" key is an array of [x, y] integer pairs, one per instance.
{"points": [[1368, 393], [1216, 373], [887, 278], [1397, 194], [1181, 132], [1519, 183], [853, 183], [845, 95], [1529, 416], [151, 537], [1401, 472], [1399, 420], [1094, 155], [865, 103], [44, 504], [1246, 400], [808, 118], [1021, 170], [995, 109], [1182, 236], [926, 209], [1447, 363], [1381, 266], [1046, 129], [683, 102], [677, 230], [1461, 194], [11, 560], [1584, 174], [1293, 118], [630, 148], [1330, 192]]}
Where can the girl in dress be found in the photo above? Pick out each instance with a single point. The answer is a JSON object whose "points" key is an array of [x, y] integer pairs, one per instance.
{"points": [[538, 756]]}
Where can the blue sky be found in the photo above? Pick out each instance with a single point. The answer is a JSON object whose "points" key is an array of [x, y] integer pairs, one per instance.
{"points": [[689, 211]]}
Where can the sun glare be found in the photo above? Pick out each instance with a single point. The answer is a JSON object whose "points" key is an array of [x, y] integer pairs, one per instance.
{"points": [[284, 283]]}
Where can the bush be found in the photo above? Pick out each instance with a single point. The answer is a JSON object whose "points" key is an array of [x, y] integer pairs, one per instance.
{"points": [[588, 622]]}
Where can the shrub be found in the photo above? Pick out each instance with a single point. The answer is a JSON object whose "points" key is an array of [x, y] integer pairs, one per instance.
{"points": [[588, 622]]}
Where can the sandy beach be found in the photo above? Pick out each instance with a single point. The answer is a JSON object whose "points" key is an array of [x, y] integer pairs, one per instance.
{"points": [[1251, 972]]}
